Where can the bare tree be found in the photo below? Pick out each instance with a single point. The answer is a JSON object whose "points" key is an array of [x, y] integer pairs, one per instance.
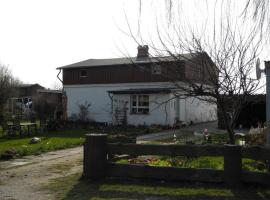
{"points": [[218, 65], [83, 114], [44, 108], [56, 85], [7, 83], [260, 12]]}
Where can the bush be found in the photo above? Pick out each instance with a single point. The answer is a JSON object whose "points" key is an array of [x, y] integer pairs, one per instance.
{"points": [[256, 139], [83, 114]]}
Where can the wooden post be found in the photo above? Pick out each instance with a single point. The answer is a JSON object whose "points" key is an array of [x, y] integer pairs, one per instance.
{"points": [[232, 164], [95, 156]]}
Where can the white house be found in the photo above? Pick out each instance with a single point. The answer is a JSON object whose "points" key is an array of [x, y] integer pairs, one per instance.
{"points": [[136, 91]]}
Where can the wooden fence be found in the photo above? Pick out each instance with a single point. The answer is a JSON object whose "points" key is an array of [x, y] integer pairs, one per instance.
{"points": [[97, 165]]}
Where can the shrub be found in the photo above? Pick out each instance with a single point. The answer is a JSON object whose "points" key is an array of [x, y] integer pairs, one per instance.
{"points": [[83, 114], [256, 139]]}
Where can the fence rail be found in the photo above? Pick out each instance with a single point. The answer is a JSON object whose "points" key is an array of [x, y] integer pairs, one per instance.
{"points": [[166, 150], [164, 173], [255, 152], [96, 164]]}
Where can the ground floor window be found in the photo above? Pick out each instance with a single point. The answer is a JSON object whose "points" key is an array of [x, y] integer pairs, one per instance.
{"points": [[139, 104]]}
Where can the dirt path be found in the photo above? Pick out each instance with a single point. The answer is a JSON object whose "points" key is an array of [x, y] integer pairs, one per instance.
{"points": [[24, 179]]}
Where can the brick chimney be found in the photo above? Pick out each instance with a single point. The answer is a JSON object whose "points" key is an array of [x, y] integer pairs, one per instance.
{"points": [[142, 52], [267, 64]]}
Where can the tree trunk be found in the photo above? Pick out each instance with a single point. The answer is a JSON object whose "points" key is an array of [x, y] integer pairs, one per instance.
{"points": [[1, 114], [228, 125], [231, 135]]}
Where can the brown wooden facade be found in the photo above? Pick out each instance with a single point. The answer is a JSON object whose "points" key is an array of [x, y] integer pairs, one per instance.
{"points": [[123, 74]]}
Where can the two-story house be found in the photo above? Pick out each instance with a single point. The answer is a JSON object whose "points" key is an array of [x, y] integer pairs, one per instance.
{"points": [[138, 90]]}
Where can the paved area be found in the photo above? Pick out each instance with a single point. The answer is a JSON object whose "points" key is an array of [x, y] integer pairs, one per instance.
{"points": [[211, 126]]}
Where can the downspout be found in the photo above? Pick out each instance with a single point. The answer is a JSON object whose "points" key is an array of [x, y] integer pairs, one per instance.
{"points": [[111, 98], [60, 70], [64, 97], [177, 109]]}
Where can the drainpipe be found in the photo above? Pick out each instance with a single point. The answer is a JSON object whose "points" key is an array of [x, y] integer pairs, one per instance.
{"points": [[267, 72], [60, 70], [111, 98], [58, 76], [177, 108]]}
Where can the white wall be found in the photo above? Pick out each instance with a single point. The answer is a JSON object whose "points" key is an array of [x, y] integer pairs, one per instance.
{"points": [[193, 109], [97, 95], [190, 109], [160, 112]]}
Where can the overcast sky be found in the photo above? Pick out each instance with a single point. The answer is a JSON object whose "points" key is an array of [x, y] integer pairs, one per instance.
{"points": [[38, 36]]}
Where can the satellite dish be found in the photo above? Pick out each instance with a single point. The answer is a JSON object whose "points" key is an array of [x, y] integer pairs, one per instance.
{"points": [[258, 69]]}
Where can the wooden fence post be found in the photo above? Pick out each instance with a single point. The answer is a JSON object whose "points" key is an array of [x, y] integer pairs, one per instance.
{"points": [[232, 164], [95, 156]]}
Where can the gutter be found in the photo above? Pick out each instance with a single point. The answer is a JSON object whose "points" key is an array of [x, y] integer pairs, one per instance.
{"points": [[58, 75]]}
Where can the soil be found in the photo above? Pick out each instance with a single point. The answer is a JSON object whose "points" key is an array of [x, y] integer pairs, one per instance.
{"points": [[24, 179]]}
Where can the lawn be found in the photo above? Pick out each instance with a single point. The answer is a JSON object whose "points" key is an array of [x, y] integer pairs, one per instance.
{"points": [[212, 162], [11, 147], [209, 162], [54, 140], [17, 147], [73, 188]]}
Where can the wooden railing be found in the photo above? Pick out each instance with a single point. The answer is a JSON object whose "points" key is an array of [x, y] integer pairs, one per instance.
{"points": [[97, 165]]}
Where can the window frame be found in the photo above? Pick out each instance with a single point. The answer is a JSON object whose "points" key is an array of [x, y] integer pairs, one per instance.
{"points": [[83, 76], [134, 109], [156, 69]]}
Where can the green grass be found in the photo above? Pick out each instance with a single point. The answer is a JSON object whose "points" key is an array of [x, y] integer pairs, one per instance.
{"points": [[56, 140], [73, 188], [200, 162], [49, 142], [209, 162], [179, 161], [204, 162], [71, 138]]}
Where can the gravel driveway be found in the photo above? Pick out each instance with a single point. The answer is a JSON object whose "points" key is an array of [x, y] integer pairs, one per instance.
{"points": [[24, 179]]}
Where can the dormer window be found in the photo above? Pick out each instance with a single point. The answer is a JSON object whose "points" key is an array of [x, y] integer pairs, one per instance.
{"points": [[83, 73]]}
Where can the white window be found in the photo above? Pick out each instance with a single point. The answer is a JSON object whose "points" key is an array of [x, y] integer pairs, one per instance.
{"points": [[139, 104]]}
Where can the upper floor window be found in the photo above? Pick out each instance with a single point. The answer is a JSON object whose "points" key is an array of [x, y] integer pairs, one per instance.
{"points": [[139, 104], [83, 73], [156, 69]]}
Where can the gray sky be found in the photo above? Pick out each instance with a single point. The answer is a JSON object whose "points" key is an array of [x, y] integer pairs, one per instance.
{"points": [[38, 36]]}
